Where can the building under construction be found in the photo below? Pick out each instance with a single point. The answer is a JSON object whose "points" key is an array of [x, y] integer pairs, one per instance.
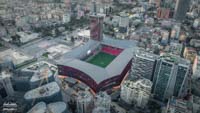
{"points": [[48, 93]]}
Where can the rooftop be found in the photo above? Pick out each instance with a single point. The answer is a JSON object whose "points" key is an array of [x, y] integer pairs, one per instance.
{"points": [[57, 107], [44, 72], [84, 96], [132, 83], [41, 107], [175, 59], [38, 108], [84, 33], [139, 83], [146, 55], [25, 37], [43, 91], [41, 70]]}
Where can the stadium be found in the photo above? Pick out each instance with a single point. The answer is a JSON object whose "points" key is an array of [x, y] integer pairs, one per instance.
{"points": [[99, 64]]}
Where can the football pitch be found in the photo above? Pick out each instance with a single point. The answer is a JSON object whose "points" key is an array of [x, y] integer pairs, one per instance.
{"points": [[102, 59]]}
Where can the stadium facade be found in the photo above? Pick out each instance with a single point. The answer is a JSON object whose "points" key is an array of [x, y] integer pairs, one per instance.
{"points": [[76, 63]]}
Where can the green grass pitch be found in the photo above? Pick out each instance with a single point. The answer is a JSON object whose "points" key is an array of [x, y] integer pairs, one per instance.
{"points": [[102, 59]]}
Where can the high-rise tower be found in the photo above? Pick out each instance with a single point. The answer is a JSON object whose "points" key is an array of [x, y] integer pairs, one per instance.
{"points": [[96, 27], [143, 64], [181, 9], [170, 77]]}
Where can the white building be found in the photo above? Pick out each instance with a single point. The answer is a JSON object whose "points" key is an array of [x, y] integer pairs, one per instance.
{"points": [[136, 92], [102, 103], [196, 23], [143, 64], [84, 102], [7, 84], [66, 18], [9, 107]]}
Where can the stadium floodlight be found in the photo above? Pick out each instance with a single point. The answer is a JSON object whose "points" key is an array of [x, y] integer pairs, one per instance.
{"points": [[89, 52]]}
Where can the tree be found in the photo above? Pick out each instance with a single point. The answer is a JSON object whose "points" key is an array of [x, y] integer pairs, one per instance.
{"points": [[16, 39], [72, 39], [57, 32]]}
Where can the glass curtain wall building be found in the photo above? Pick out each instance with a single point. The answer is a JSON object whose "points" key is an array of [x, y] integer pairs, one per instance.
{"points": [[170, 77]]}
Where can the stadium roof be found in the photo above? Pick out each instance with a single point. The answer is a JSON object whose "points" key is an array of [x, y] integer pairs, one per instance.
{"points": [[92, 44], [77, 52], [119, 43], [98, 73]]}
